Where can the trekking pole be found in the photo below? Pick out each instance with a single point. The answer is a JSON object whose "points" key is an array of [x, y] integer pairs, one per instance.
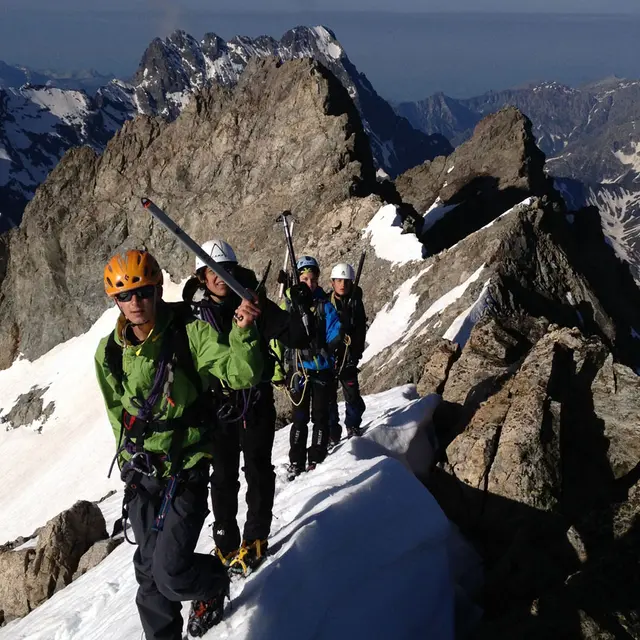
{"points": [[284, 218], [195, 248]]}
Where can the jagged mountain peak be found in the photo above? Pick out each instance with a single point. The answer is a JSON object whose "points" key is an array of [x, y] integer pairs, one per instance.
{"points": [[171, 71], [287, 136]]}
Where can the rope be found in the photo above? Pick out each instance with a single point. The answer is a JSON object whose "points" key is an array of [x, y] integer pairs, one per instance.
{"points": [[347, 342], [300, 371]]}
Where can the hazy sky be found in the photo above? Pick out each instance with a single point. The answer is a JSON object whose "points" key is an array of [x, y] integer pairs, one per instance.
{"points": [[405, 55], [528, 6]]}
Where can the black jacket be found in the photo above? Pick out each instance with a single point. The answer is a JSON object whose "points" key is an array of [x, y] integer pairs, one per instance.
{"points": [[353, 319], [274, 323]]}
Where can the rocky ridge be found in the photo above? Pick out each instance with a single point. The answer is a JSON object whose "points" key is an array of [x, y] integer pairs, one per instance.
{"points": [[233, 160], [38, 124], [588, 133]]}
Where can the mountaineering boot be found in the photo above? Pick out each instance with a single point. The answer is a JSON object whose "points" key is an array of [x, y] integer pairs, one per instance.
{"points": [[353, 431], [205, 614], [333, 443], [226, 558], [250, 556], [311, 466], [293, 471]]}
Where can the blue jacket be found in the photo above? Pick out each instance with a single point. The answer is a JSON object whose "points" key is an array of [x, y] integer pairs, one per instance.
{"points": [[327, 338]]}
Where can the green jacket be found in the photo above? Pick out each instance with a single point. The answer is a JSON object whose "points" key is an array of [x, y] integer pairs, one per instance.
{"points": [[238, 363]]}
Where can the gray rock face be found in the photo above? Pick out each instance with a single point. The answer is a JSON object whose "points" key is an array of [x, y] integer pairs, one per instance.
{"points": [[170, 70], [544, 476], [286, 137], [27, 409], [495, 170], [95, 555], [39, 124], [31, 576]]}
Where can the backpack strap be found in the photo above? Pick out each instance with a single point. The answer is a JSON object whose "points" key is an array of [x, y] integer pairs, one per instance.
{"points": [[113, 359], [183, 316]]}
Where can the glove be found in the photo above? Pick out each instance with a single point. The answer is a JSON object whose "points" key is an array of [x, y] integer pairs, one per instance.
{"points": [[301, 296]]}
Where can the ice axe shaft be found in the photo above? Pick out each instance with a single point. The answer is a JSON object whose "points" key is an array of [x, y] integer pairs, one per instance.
{"points": [[284, 218], [194, 247]]}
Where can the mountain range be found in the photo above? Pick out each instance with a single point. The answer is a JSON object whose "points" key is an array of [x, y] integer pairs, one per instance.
{"points": [[38, 124], [588, 133]]}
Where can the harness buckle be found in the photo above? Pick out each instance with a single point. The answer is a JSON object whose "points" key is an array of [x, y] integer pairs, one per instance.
{"points": [[141, 462]]}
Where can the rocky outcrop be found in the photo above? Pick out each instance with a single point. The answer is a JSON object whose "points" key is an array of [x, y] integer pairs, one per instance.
{"points": [[286, 137], [495, 170], [95, 555], [31, 576], [28, 408], [544, 477]]}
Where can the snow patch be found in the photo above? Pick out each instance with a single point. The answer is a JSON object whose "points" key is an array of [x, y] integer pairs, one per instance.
{"points": [[460, 329], [632, 158], [327, 44], [444, 301], [436, 212], [384, 232], [71, 107], [392, 320], [180, 98]]}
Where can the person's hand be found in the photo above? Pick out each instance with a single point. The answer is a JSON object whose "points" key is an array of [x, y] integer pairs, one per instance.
{"points": [[246, 314], [301, 296]]}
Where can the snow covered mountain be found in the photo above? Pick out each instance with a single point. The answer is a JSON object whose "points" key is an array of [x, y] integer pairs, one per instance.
{"points": [[588, 133], [88, 80], [619, 210], [38, 126]]}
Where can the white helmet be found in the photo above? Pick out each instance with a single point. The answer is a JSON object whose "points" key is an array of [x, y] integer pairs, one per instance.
{"points": [[219, 250], [343, 271]]}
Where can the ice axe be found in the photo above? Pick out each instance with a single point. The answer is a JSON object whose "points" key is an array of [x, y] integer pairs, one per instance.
{"points": [[195, 248]]}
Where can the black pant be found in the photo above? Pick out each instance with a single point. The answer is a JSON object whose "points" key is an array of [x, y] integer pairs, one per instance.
{"points": [[166, 567], [254, 435], [354, 404], [315, 403]]}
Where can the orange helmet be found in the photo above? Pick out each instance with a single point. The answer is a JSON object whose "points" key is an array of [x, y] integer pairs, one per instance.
{"points": [[130, 270]]}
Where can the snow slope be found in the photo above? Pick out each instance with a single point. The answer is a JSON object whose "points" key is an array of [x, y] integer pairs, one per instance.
{"points": [[77, 436], [388, 239], [359, 547]]}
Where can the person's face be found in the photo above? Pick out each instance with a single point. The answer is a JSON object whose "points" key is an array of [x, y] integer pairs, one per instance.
{"points": [[341, 287], [139, 305], [310, 279], [215, 284]]}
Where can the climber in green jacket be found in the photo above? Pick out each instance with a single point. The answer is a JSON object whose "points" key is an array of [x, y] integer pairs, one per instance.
{"points": [[154, 372]]}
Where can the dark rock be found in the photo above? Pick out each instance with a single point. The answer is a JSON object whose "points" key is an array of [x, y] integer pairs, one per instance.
{"points": [[495, 170], [31, 576], [95, 555], [29, 408], [437, 369]]}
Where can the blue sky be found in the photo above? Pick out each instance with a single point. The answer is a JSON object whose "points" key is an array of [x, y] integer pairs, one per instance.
{"points": [[404, 56]]}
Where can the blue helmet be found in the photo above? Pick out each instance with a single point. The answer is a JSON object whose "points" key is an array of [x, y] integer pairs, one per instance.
{"points": [[307, 263]]}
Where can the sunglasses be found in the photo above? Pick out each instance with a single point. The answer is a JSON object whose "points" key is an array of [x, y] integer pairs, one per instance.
{"points": [[144, 293]]}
